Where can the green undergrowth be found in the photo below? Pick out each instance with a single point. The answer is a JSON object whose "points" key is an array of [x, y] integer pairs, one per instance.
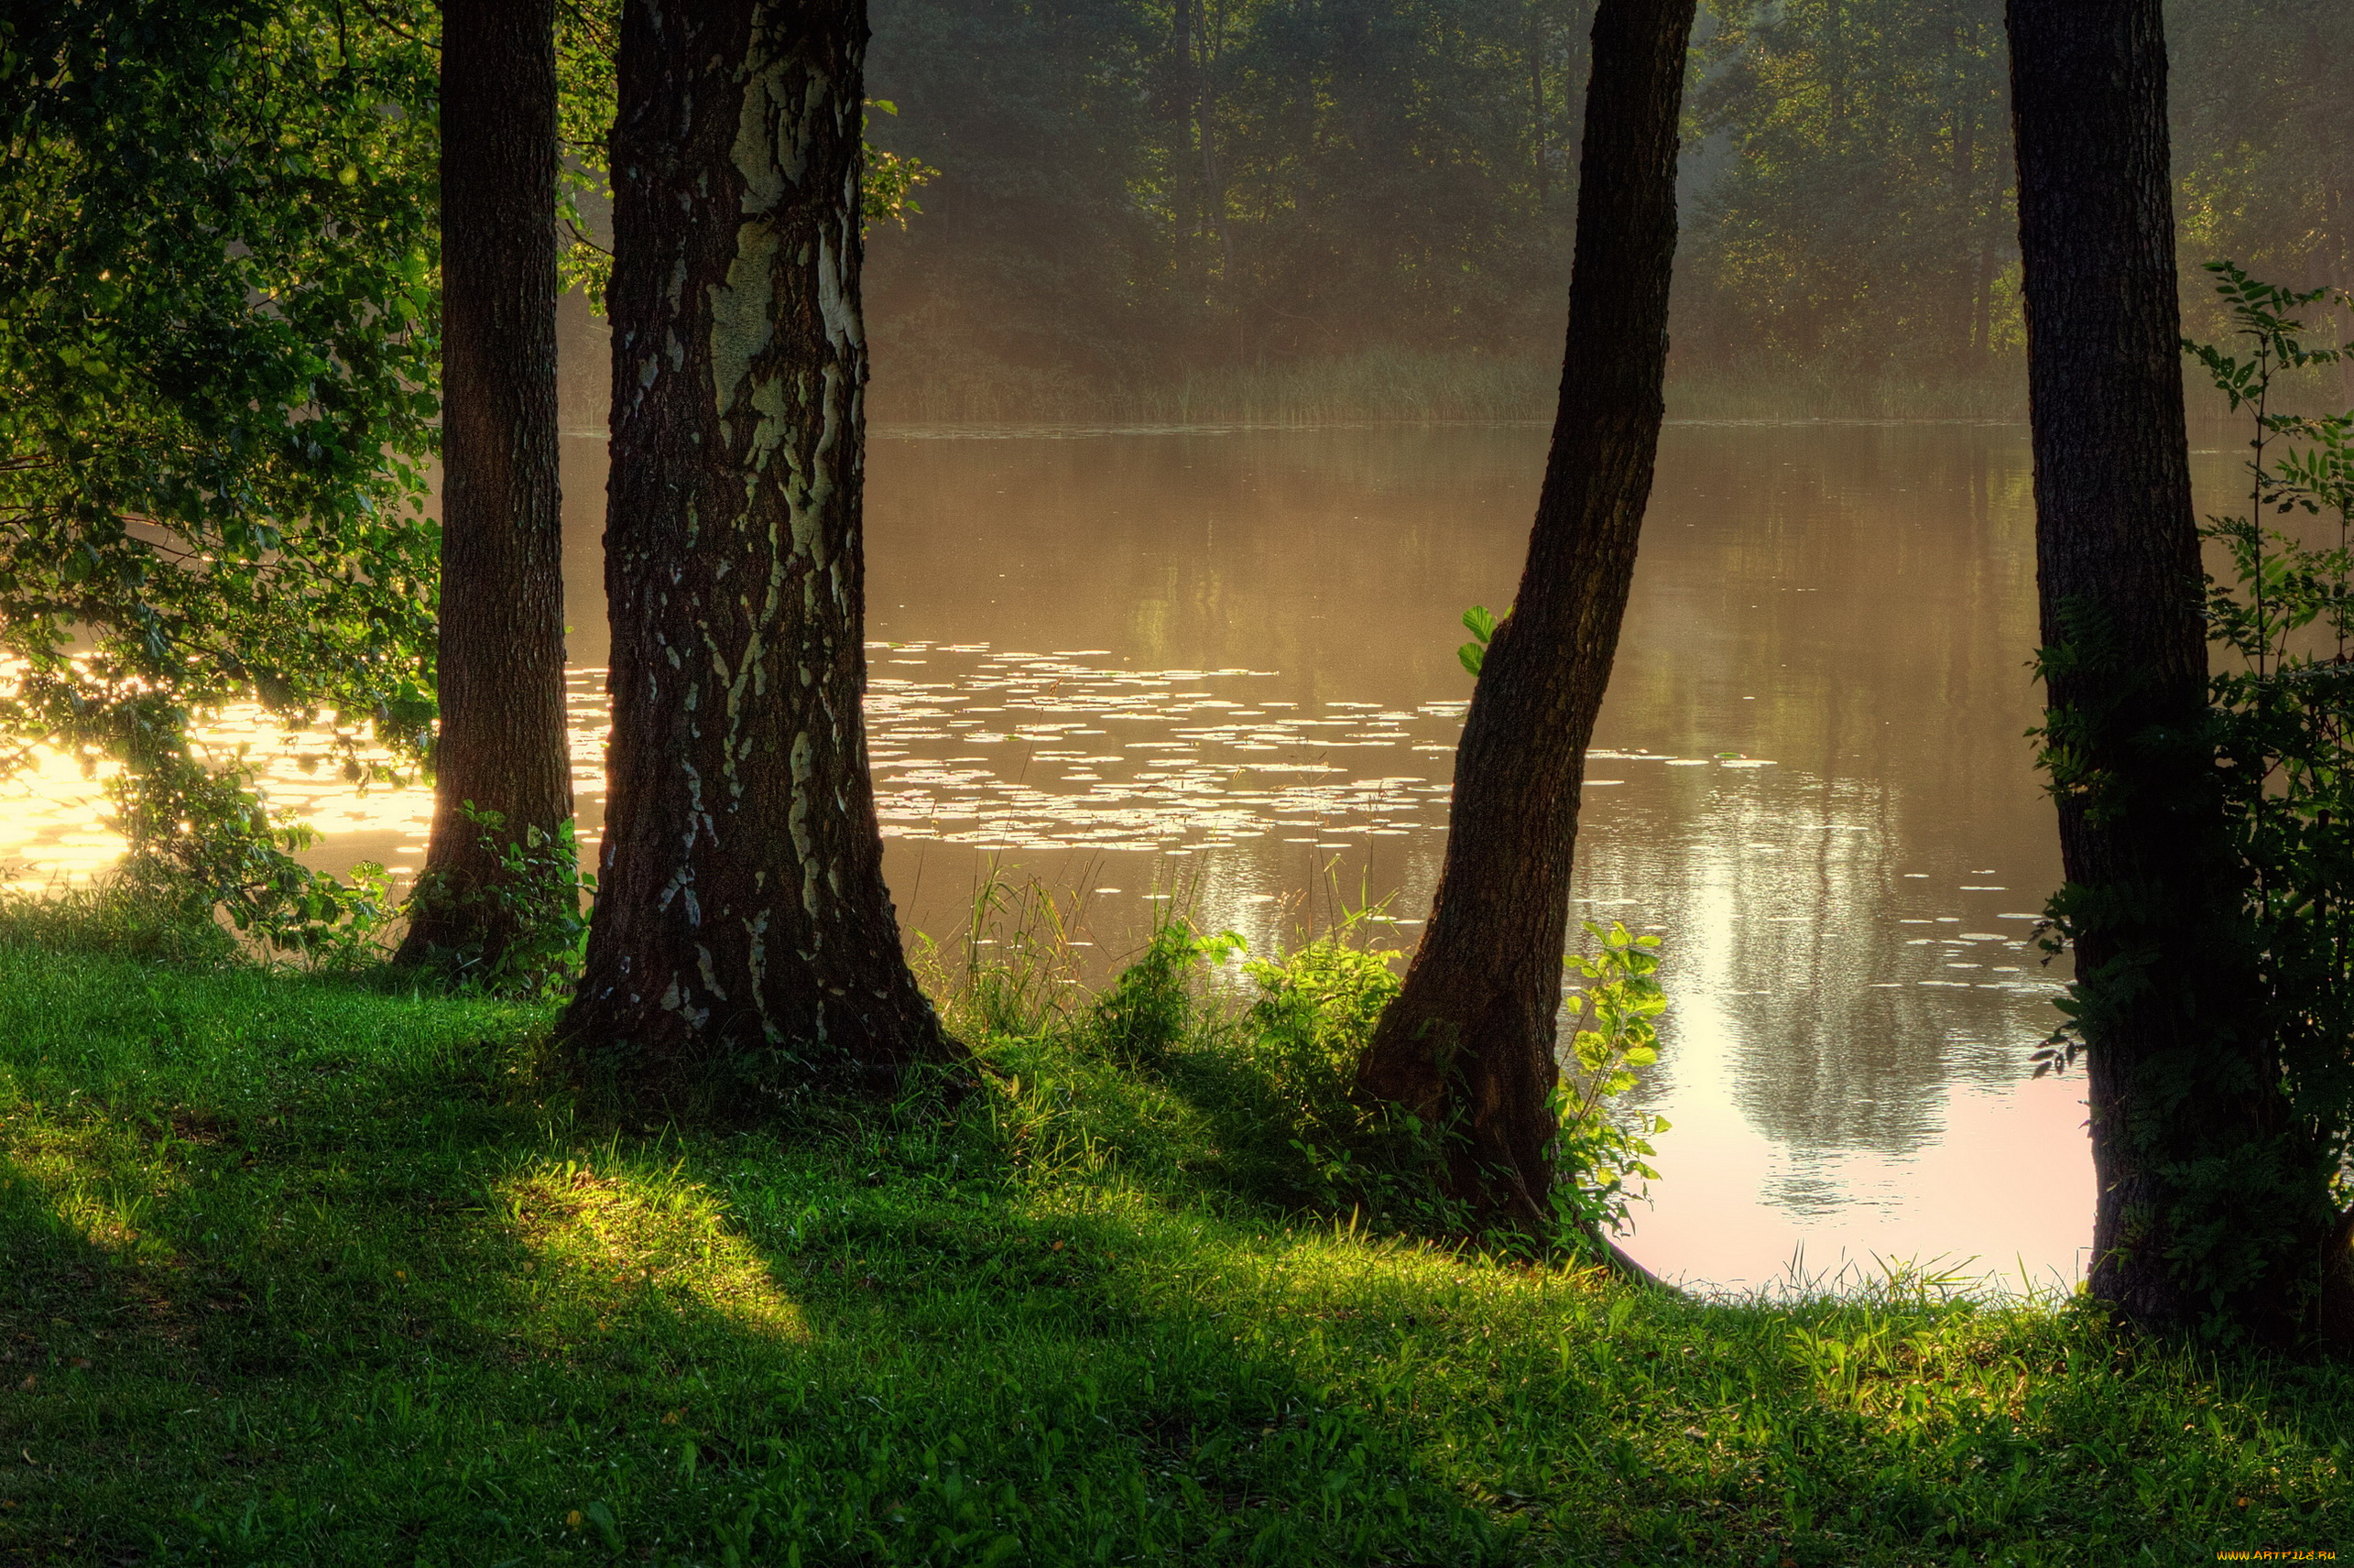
{"points": [[317, 1268]]}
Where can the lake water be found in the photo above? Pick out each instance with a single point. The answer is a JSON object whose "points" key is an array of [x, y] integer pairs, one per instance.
{"points": [[1220, 664], [1233, 652]]}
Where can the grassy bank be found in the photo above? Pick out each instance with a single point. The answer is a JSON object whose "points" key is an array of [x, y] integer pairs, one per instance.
{"points": [[306, 1270], [1406, 386]]}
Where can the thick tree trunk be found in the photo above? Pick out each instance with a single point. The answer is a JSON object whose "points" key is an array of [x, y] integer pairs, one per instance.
{"points": [[1469, 1041], [502, 746], [2203, 1211], [744, 945]]}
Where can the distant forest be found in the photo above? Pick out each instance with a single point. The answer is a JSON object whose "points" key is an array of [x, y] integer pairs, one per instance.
{"points": [[1131, 195]]}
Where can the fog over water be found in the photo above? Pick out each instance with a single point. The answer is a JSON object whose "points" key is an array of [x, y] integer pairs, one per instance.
{"points": [[1809, 776], [1220, 664]]}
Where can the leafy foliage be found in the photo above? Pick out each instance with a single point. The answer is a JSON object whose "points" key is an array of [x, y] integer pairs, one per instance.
{"points": [[2276, 756], [1601, 1148], [538, 906], [1155, 1003], [1863, 217], [888, 182], [202, 838], [1302, 1038], [2285, 708], [1138, 194], [1482, 626], [1131, 190], [2264, 144], [1278, 1078], [217, 359]]}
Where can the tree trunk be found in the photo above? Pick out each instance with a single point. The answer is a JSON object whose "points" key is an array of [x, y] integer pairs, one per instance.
{"points": [[1965, 125], [2206, 1210], [1469, 1041], [1537, 129], [501, 746], [1982, 304], [744, 947]]}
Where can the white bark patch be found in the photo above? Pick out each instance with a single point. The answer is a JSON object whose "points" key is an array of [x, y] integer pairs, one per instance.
{"points": [[743, 310], [769, 402], [809, 492], [841, 322], [697, 817], [770, 152], [803, 762], [755, 964]]}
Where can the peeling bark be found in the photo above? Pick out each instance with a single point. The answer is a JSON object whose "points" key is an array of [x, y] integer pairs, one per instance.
{"points": [[1469, 1041], [743, 940], [502, 746]]}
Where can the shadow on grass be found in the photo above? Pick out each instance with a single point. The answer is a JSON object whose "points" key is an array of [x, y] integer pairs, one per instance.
{"points": [[312, 1276], [397, 1312]]}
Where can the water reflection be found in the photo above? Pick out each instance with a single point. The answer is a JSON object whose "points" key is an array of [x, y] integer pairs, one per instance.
{"points": [[1810, 774], [1117, 661]]}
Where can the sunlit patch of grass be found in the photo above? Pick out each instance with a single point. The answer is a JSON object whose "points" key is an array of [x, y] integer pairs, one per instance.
{"points": [[304, 1271], [608, 1243]]}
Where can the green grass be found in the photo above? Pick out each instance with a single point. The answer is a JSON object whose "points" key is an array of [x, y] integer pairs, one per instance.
{"points": [[305, 1269]]}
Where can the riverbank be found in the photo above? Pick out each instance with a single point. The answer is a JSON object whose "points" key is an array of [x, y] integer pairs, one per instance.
{"points": [[312, 1268]]}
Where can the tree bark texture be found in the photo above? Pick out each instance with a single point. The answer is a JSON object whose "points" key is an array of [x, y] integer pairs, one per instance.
{"points": [[1470, 1040], [502, 746], [2208, 1199], [744, 945]]}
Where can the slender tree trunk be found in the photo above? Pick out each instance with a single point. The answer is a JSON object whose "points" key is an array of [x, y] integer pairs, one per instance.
{"points": [[1470, 1040], [1537, 126], [744, 946], [1982, 302], [1188, 159], [2207, 1205], [1965, 125], [2341, 239], [502, 746]]}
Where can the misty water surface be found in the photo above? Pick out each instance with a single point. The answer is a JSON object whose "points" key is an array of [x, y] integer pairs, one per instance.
{"points": [[1810, 776], [1221, 663]]}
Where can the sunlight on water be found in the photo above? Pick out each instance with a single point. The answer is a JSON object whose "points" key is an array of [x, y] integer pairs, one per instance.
{"points": [[1219, 669]]}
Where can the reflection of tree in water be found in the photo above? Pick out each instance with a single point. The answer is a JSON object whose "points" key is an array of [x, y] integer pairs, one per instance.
{"points": [[1870, 588], [1808, 1197], [1870, 592], [1784, 945]]}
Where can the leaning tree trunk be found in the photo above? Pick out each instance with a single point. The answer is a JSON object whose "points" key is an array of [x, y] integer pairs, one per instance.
{"points": [[2209, 1201], [744, 945], [502, 746], [1469, 1041]]}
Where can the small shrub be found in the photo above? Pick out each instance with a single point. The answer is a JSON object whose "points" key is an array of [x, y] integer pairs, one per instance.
{"points": [[1318, 1145], [1599, 1151], [1312, 1017], [537, 905], [1154, 1005], [202, 838]]}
